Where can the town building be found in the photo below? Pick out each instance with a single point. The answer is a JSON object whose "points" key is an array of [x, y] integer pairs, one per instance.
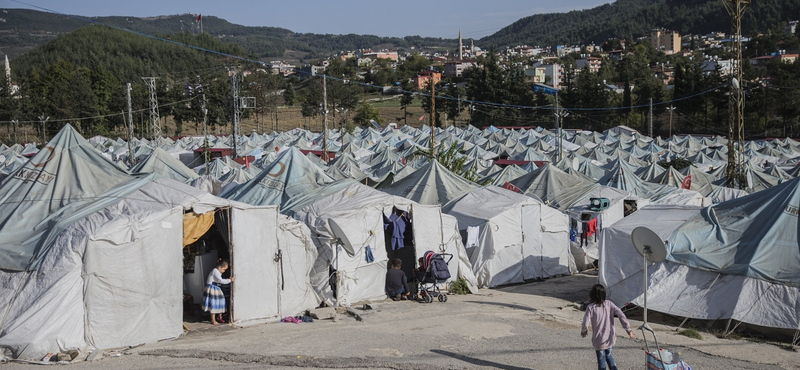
{"points": [[457, 67], [593, 63], [422, 79], [667, 41], [548, 74]]}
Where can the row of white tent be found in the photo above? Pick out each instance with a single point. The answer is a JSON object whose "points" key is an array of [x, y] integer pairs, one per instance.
{"points": [[71, 215]]}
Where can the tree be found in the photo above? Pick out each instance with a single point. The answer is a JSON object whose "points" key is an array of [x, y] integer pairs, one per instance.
{"points": [[264, 88], [365, 113], [406, 99], [289, 96]]}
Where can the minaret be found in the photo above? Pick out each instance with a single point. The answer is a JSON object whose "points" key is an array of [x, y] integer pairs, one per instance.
{"points": [[8, 69], [460, 46], [472, 47]]}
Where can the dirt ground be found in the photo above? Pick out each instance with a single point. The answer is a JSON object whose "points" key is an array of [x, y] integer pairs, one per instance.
{"points": [[527, 326]]}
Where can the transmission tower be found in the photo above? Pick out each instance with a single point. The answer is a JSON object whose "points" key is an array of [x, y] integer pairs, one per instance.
{"points": [[735, 172], [155, 125]]}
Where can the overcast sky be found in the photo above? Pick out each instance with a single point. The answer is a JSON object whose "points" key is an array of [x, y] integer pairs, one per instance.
{"points": [[475, 18]]}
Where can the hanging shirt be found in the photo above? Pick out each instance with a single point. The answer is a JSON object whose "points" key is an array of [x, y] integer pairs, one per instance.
{"points": [[396, 226], [591, 227]]}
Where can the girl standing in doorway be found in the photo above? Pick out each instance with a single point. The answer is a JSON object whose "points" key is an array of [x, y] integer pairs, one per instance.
{"points": [[213, 298]]}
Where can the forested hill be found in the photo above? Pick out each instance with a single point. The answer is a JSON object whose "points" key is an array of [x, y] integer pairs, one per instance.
{"points": [[125, 55], [25, 29], [635, 18]]}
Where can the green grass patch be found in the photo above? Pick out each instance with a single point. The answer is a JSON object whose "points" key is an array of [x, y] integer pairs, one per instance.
{"points": [[691, 333]]}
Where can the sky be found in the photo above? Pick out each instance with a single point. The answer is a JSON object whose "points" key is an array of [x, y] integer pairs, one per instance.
{"points": [[428, 18]]}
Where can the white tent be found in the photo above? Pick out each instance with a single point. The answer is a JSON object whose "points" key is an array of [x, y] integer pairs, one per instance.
{"points": [[683, 291], [114, 277], [359, 210], [517, 238]]}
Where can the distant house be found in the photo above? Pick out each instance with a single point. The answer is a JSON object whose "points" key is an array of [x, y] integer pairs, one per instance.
{"points": [[762, 61], [279, 67], [710, 66], [664, 73], [593, 63], [455, 68], [548, 74], [422, 79], [391, 55]]}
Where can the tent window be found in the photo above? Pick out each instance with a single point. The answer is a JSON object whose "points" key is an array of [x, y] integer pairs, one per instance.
{"points": [[630, 207]]}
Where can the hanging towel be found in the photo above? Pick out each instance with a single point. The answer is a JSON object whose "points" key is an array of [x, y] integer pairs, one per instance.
{"points": [[368, 254], [473, 232], [591, 227], [573, 235]]}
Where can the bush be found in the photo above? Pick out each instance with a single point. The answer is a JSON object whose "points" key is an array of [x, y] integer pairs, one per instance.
{"points": [[459, 287]]}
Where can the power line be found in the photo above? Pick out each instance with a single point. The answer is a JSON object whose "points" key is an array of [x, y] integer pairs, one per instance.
{"points": [[107, 115]]}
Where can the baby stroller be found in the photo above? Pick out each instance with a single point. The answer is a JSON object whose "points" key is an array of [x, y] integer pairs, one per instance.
{"points": [[436, 272]]}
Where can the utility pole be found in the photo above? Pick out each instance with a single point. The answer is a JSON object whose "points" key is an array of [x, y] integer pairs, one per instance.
{"points": [[560, 114], [670, 109], [433, 115], [44, 120], [130, 126], [154, 119], [734, 171], [235, 112], [650, 120], [205, 132], [325, 118]]}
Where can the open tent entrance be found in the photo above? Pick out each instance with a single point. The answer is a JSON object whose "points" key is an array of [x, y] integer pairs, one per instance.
{"points": [[399, 239], [206, 240]]}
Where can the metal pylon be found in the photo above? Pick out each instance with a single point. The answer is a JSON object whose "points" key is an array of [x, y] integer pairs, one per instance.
{"points": [[155, 122]]}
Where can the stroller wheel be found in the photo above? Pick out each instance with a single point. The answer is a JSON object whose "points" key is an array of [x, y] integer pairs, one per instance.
{"points": [[442, 298], [428, 298]]}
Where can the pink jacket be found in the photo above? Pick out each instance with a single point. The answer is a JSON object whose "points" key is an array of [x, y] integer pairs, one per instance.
{"points": [[602, 320]]}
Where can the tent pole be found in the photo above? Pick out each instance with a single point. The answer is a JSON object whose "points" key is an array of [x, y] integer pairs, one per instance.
{"points": [[682, 323], [727, 326]]}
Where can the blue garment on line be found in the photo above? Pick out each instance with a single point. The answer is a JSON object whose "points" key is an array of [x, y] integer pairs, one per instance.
{"points": [[573, 235], [368, 255], [398, 229]]}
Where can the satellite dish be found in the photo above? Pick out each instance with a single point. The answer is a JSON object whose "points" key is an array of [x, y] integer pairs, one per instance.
{"points": [[649, 244], [341, 237]]}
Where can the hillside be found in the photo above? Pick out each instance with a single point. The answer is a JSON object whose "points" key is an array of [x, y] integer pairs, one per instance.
{"points": [[25, 29], [635, 18], [133, 56]]}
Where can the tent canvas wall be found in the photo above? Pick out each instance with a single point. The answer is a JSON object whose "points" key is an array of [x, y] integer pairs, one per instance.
{"points": [[359, 211], [519, 238]]}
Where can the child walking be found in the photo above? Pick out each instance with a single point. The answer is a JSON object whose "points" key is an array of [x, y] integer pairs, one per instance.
{"points": [[600, 314], [213, 298]]}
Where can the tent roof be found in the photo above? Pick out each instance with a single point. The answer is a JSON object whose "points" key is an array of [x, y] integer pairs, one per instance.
{"points": [[67, 171], [755, 236], [432, 184]]}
